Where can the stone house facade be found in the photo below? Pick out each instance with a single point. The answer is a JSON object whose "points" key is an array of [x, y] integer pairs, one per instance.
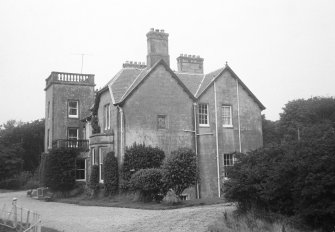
{"points": [[214, 114]]}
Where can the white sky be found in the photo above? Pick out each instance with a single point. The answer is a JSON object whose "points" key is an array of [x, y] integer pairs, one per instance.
{"points": [[282, 50]]}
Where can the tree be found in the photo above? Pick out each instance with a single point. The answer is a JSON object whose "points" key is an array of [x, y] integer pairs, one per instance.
{"points": [[10, 162], [271, 135], [180, 170], [29, 137], [140, 156], [61, 169], [111, 174]]}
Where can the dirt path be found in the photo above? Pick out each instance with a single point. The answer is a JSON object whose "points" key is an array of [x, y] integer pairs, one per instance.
{"points": [[74, 218]]}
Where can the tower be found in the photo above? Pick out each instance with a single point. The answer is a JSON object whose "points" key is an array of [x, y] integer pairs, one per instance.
{"points": [[68, 98]]}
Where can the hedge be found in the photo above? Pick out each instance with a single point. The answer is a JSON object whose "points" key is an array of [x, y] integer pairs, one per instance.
{"points": [[111, 174]]}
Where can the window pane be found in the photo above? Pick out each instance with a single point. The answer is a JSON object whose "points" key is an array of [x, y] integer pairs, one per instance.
{"points": [[73, 133], [73, 108], [203, 114], [161, 122], [226, 115]]}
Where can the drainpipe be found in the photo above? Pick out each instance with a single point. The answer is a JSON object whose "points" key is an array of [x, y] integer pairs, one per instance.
{"points": [[238, 116], [121, 133], [217, 141], [196, 143]]}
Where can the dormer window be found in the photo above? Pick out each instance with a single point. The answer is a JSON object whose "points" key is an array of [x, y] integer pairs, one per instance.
{"points": [[73, 109]]}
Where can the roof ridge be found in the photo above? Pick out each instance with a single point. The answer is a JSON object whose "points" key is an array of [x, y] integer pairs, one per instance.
{"points": [[213, 78], [132, 83], [188, 73], [203, 78]]}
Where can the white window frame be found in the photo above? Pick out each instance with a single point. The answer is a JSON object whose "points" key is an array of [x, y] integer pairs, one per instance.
{"points": [[76, 108], [230, 124], [81, 169], [101, 163], [93, 156], [107, 116], [227, 160], [73, 143], [201, 114]]}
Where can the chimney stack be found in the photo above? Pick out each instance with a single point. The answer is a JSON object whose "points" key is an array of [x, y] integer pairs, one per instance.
{"points": [[131, 64], [157, 47], [190, 64]]}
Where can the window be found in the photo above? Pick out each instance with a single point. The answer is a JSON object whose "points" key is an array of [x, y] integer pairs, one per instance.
{"points": [[73, 109], [203, 115], [226, 116], [48, 139], [72, 136], [107, 118], [227, 161], [48, 109], [161, 122], [101, 162], [94, 161], [80, 169]]}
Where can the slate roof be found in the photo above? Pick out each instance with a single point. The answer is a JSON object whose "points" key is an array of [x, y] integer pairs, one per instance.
{"points": [[128, 79]]}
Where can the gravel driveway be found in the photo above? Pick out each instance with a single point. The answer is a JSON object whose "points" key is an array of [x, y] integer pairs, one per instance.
{"points": [[75, 218]]}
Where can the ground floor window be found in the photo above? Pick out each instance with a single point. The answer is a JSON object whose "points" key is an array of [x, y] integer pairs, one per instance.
{"points": [[227, 160], [101, 162], [80, 169]]}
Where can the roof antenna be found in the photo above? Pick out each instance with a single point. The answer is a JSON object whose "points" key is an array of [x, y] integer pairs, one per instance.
{"points": [[82, 60]]}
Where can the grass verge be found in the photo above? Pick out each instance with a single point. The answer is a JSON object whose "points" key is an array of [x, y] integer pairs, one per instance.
{"points": [[123, 201]]}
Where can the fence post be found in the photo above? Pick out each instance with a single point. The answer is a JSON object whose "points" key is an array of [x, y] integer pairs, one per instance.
{"points": [[15, 211]]}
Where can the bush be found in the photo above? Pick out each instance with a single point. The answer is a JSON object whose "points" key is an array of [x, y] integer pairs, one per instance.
{"points": [[94, 180], [60, 174], [148, 182], [111, 174], [296, 179], [139, 157], [180, 170]]}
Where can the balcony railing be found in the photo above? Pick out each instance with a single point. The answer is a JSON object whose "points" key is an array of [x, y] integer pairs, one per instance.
{"points": [[71, 143]]}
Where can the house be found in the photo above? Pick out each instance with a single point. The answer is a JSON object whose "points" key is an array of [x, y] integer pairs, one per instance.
{"points": [[215, 114]]}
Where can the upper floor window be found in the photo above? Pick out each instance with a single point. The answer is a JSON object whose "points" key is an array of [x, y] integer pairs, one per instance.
{"points": [[107, 118], [226, 116], [73, 109], [48, 109], [161, 122], [72, 136], [203, 115]]}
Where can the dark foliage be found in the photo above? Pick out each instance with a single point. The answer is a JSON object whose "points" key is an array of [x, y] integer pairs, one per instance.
{"points": [[10, 162], [180, 170], [148, 182], [26, 138], [111, 174], [95, 124], [94, 179], [60, 170], [293, 179], [139, 156]]}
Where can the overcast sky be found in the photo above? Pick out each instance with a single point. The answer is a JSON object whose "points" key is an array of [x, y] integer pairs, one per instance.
{"points": [[282, 50]]}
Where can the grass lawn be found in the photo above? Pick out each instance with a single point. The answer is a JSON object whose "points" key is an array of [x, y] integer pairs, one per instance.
{"points": [[128, 202]]}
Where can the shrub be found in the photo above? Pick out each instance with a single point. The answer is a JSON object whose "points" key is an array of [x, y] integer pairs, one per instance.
{"points": [[148, 182], [94, 180], [294, 179], [60, 169], [111, 174], [180, 170], [139, 156]]}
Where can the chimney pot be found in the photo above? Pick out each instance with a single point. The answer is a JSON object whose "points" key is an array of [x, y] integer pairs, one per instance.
{"points": [[157, 30], [152, 29], [162, 30]]}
